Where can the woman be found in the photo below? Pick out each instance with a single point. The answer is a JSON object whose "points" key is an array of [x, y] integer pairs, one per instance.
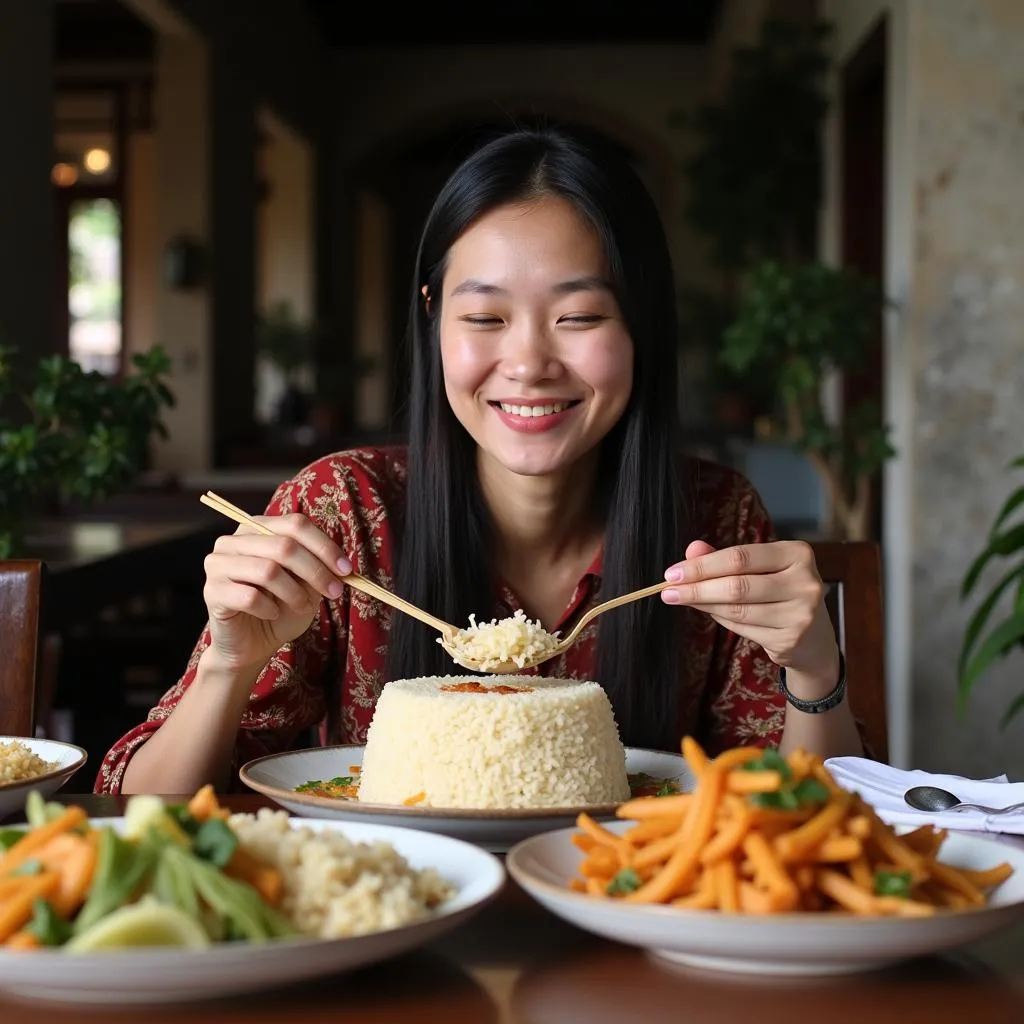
{"points": [[543, 471]]}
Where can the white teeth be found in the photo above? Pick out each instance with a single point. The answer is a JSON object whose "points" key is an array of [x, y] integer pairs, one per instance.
{"points": [[533, 410]]}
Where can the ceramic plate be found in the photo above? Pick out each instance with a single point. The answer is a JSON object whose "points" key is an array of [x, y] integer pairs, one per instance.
{"points": [[173, 975], [777, 944], [277, 775], [67, 757]]}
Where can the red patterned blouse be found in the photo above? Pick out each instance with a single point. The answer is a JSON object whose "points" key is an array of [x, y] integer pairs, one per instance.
{"points": [[730, 687]]}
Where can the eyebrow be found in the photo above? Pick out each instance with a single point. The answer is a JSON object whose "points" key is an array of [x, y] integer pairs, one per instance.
{"points": [[591, 283]]}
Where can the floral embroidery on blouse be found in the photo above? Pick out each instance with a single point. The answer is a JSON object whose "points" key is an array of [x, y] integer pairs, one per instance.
{"points": [[328, 680]]}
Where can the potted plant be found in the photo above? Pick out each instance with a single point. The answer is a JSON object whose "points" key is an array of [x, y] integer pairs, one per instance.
{"points": [[980, 650], [65, 433], [794, 324], [289, 344], [753, 189]]}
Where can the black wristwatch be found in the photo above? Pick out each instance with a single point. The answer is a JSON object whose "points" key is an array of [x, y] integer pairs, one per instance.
{"points": [[826, 703]]}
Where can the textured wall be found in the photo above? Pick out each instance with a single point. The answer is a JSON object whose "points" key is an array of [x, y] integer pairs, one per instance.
{"points": [[966, 331]]}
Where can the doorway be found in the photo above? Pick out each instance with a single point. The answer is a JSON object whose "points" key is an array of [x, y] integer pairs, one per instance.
{"points": [[862, 116]]}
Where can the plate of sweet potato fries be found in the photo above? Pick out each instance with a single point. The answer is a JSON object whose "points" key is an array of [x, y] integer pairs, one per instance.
{"points": [[768, 865]]}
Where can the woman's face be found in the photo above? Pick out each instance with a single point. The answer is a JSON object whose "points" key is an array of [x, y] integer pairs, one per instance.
{"points": [[538, 364]]}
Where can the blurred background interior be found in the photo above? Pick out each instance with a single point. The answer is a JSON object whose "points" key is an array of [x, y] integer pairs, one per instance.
{"points": [[222, 199]]}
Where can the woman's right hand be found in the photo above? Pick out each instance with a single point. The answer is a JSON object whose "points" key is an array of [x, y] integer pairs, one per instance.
{"points": [[263, 591]]}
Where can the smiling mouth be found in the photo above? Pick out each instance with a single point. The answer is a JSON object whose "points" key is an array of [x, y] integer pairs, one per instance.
{"points": [[529, 411]]}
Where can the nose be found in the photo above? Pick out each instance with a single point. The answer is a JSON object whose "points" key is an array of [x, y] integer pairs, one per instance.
{"points": [[529, 354]]}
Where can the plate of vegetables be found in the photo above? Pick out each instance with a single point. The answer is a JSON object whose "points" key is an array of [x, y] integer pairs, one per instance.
{"points": [[174, 902]]}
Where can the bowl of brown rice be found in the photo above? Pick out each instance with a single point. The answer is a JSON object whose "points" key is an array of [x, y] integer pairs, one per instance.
{"points": [[28, 763]]}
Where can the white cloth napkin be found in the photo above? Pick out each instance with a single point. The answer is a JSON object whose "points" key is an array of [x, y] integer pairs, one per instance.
{"points": [[883, 787]]}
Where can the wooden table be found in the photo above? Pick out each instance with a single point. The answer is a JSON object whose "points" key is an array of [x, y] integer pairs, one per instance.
{"points": [[514, 963]]}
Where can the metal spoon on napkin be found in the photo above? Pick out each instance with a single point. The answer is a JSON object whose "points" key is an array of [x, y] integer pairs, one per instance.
{"points": [[932, 798]]}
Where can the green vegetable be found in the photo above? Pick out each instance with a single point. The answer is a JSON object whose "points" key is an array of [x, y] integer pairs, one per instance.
{"points": [[626, 880], [47, 925], [142, 924], [668, 788], [29, 867], [338, 780], [244, 911], [893, 883], [173, 886], [790, 797], [9, 836], [770, 761], [38, 812], [122, 867], [215, 842], [184, 817]]}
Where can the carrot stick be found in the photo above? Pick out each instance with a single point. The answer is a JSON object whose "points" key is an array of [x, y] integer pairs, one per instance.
{"points": [[73, 857], [16, 910], [603, 836], [654, 806], [24, 849], [685, 859], [23, 940], [264, 878]]}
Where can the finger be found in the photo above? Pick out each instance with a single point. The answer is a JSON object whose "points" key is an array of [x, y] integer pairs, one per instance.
{"points": [[696, 548], [728, 590], [288, 553], [267, 575], [747, 617], [302, 529], [226, 599], [748, 558]]}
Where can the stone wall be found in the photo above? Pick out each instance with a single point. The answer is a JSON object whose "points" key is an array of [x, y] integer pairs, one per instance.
{"points": [[954, 360], [967, 333]]}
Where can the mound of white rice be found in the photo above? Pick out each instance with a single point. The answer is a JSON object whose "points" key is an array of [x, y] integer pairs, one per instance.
{"points": [[334, 887], [489, 645], [19, 762], [497, 742]]}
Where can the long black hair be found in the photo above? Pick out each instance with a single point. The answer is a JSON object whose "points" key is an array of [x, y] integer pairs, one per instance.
{"points": [[444, 556]]}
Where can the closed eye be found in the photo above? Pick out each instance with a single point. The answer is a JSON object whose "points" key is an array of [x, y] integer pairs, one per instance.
{"points": [[481, 321], [583, 318]]}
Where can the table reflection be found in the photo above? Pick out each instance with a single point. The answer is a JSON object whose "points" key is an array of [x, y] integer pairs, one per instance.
{"points": [[604, 985]]}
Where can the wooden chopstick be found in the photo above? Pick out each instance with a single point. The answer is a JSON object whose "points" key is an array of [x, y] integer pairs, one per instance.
{"points": [[353, 579]]}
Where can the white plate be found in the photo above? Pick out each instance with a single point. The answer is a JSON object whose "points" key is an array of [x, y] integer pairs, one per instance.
{"points": [[173, 975], [777, 944], [277, 775], [68, 757]]}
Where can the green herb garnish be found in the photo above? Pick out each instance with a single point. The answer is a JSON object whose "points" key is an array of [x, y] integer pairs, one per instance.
{"points": [[47, 925], [770, 761], [186, 820], [790, 797], [893, 883], [338, 780], [9, 836], [627, 880], [215, 842]]}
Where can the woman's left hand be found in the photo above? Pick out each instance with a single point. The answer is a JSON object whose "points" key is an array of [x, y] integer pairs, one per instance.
{"points": [[770, 593]]}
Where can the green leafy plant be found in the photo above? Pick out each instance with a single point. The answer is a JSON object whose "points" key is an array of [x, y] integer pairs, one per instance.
{"points": [[285, 340], [71, 434], [795, 323], [754, 186], [979, 651], [755, 178]]}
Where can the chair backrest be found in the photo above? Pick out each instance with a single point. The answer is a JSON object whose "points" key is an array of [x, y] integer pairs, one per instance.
{"points": [[852, 571], [20, 594]]}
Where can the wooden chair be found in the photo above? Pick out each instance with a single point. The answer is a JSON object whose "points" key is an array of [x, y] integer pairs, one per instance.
{"points": [[854, 599], [20, 593]]}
